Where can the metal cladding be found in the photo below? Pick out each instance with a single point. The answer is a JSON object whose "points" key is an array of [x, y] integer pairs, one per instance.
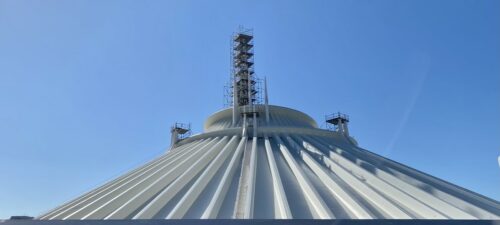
{"points": [[285, 168], [269, 162]]}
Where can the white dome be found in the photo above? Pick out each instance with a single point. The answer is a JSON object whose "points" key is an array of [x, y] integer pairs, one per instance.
{"points": [[285, 168]]}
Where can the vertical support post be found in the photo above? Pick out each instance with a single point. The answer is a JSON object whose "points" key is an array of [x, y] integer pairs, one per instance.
{"points": [[340, 129], [244, 133], [249, 89], [174, 138], [254, 124], [266, 99], [345, 129], [235, 102], [178, 132]]}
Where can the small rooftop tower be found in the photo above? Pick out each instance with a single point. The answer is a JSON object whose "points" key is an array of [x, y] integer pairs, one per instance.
{"points": [[179, 131], [339, 122]]}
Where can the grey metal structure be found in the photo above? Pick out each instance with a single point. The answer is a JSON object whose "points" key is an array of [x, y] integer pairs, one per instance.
{"points": [[272, 162], [179, 131]]}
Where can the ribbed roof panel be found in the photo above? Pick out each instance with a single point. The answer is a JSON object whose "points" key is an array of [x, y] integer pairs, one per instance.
{"points": [[288, 169]]}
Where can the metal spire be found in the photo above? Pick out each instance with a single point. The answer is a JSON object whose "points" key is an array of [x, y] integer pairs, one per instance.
{"points": [[266, 99]]}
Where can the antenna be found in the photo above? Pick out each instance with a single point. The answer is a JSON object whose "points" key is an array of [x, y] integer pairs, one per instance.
{"points": [[266, 100]]}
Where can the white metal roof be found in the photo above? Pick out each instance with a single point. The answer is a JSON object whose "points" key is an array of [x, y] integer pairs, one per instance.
{"points": [[285, 168]]}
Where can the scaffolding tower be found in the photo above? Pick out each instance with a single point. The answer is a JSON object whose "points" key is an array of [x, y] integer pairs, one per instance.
{"points": [[243, 68], [243, 81], [228, 91]]}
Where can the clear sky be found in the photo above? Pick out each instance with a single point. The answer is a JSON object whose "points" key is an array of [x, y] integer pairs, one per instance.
{"points": [[89, 89]]}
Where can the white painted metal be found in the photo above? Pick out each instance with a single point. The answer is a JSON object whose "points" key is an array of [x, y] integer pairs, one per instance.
{"points": [[281, 208], [189, 198], [287, 165], [214, 206], [246, 188], [148, 187], [168, 193], [316, 204], [350, 203], [418, 201], [117, 188]]}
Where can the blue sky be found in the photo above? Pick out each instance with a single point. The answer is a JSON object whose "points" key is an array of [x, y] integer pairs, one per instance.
{"points": [[88, 89]]}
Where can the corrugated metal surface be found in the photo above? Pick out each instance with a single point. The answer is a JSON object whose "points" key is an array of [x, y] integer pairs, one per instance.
{"points": [[287, 168]]}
